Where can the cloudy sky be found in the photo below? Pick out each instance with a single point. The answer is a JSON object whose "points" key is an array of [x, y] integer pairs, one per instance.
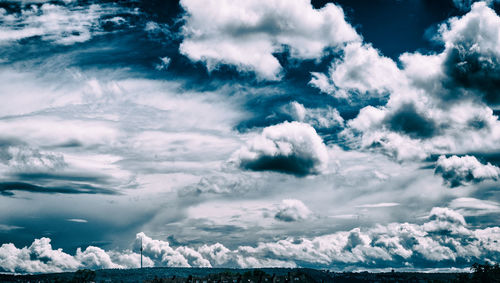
{"points": [[352, 135]]}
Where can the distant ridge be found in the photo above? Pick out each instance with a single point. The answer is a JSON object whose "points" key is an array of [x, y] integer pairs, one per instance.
{"points": [[230, 275]]}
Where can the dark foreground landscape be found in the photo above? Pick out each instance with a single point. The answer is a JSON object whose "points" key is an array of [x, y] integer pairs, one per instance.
{"points": [[481, 273]]}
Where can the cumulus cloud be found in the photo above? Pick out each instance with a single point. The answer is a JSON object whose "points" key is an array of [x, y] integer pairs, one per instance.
{"points": [[439, 103], [292, 210], [459, 171], [289, 147], [472, 55], [362, 70], [40, 257], [443, 238], [247, 33], [183, 256], [412, 131], [445, 219]]}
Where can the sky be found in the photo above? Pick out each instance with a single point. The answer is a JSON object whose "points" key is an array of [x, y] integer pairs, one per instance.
{"points": [[341, 135]]}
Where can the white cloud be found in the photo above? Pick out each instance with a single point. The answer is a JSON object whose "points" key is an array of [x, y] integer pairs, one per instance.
{"points": [[77, 220], [289, 147], [292, 210], [253, 262], [40, 257], [175, 128], [445, 237], [160, 251], [360, 69], [319, 118], [247, 33], [94, 258], [459, 171], [439, 103], [59, 24], [216, 253], [445, 219], [164, 63]]}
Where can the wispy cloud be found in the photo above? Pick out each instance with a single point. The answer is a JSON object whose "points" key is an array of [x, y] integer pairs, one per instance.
{"points": [[77, 220]]}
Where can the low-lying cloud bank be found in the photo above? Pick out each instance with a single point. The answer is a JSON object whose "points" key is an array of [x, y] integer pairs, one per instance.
{"points": [[40, 257], [443, 240]]}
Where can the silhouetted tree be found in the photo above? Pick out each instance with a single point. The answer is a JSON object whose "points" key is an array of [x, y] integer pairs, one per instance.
{"points": [[485, 273]]}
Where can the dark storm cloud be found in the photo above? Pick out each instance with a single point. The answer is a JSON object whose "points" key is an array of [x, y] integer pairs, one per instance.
{"points": [[299, 166], [407, 120], [472, 74], [8, 189], [472, 58], [74, 177]]}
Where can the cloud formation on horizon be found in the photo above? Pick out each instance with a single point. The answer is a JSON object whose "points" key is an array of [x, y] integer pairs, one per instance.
{"points": [[443, 238]]}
